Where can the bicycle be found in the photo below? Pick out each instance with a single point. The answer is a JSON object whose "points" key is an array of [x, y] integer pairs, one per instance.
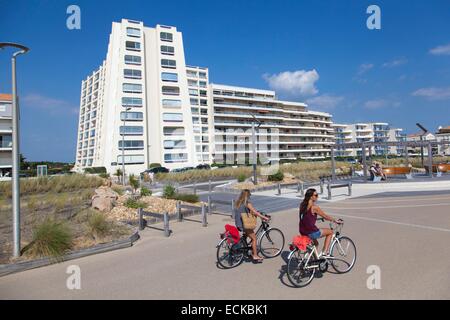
{"points": [[302, 265], [270, 242]]}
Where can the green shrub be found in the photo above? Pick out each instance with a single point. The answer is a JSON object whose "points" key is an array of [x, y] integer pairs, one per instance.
{"points": [[134, 204], [118, 189], [98, 226], [145, 192], [241, 177], [134, 182], [95, 170], [104, 175], [279, 176], [154, 165], [50, 239], [169, 191], [191, 198]]}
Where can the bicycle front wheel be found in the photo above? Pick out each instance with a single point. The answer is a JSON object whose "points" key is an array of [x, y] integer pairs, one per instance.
{"points": [[228, 256], [343, 251], [298, 273], [271, 243]]}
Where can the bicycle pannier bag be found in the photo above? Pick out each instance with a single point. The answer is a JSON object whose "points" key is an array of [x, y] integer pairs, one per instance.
{"points": [[248, 220]]}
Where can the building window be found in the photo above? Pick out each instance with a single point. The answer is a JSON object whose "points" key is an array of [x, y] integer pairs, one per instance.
{"points": [[136, 60], [171, 103], [170, 77], [173, 131], [131, 102], [168, 50], [131, 131], [173, 117], [203, 102], [133, 32], [165, 36], [168, 63], [132, 144], [175, 157], [194, 102], [193, 92], [133, 46], [191, 73], [131, 159], [202, 75], [172, 91], [132, 74], [132, 88], [202, 84], [131, 116], [174, 144], [192, 83]]}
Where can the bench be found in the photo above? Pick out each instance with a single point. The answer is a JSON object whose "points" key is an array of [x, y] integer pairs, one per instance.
{"points": [[439, 168], [396, 171]]}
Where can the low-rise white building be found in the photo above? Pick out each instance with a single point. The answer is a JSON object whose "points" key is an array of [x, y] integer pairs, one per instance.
{"points": [[5, 136]]}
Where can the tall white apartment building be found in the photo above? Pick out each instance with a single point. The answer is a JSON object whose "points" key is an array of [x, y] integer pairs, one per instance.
{"points": [[5, 136], [144, 105], [287, 131], [138, 103], [368, 132]]}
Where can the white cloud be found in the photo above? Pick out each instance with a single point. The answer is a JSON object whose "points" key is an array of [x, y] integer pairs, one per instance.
{"points": [[324, 101], [381, 103], [49, 104], [395, 63], [295, 83], [363, 68], [433, 93], [441, 50]]}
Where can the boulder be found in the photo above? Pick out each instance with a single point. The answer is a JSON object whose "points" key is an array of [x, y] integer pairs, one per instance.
{"points": [[104, 199]]}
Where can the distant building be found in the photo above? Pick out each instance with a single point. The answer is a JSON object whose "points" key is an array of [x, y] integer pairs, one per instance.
{"points": [[368, 132], [416, 151], [5, 136], [443, 135]]}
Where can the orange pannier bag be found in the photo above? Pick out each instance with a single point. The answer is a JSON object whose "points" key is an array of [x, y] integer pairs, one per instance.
{"points": [[301, 242]]}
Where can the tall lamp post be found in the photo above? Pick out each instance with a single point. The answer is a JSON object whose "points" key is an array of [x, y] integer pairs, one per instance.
{"points": [[15, 153], [421, 139], [123, 145], [254, 155]]}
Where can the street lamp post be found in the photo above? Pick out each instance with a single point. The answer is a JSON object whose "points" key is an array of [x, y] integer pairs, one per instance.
{"points": [[421, 139], [123, 146], [15, 153], [254, 154]]}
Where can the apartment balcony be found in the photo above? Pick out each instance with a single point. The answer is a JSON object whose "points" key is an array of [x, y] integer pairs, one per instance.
{"points": [[266, 124], [264, 115]]}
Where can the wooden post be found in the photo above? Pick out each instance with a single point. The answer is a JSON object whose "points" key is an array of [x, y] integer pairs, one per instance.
{"points": [[430, 159], [166, 224], [333, 164], [204, 216], [363, 148], [141, 219], [179, 217]]}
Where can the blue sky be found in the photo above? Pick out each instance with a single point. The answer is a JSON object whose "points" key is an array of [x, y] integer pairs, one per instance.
{"points": [[320, 52]]}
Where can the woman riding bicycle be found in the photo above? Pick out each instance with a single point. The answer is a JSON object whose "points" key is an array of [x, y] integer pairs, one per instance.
{"points": [[308, 216], [245, 207]]}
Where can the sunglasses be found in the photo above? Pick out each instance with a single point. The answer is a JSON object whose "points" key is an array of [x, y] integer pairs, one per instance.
{"points": [[315, 195]]}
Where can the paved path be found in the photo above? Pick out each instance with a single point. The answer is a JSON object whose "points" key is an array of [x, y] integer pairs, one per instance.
{"points": [[406, 236]]}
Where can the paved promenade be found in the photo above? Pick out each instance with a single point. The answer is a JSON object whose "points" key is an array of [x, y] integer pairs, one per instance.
{"points": [[405, 232]]}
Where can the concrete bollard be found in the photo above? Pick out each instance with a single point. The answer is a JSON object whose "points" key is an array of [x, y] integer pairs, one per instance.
{"points": [[350, 189], [302, 189], [209, 186], [321, 186], [179, 217], [166, 224], [232, 208], [279, 189], [204, 216]]}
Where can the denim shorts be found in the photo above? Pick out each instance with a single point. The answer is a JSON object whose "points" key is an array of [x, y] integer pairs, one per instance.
{"points": [[315, 235]]}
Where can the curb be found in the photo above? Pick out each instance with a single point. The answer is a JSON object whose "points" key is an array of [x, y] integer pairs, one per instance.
{"points": [[7, 269]]}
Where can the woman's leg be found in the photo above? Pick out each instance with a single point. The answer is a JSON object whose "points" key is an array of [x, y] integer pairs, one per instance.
{"points": [[328, 234], [251, 234]]}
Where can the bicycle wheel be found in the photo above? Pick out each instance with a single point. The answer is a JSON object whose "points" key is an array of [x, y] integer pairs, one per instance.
{"points": [[343, 250], [271, 243], [297, 272], [228, 256]]}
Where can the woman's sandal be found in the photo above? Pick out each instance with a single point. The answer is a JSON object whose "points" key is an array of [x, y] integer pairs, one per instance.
{"points": [[257, 260]]}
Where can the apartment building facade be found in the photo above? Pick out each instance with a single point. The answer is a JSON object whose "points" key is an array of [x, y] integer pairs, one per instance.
{"points": [[144, 105], [5, 136], [287, 130], [380, 132]]}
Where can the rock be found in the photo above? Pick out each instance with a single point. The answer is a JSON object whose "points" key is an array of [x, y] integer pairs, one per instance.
{"points": [[104, 199]]}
